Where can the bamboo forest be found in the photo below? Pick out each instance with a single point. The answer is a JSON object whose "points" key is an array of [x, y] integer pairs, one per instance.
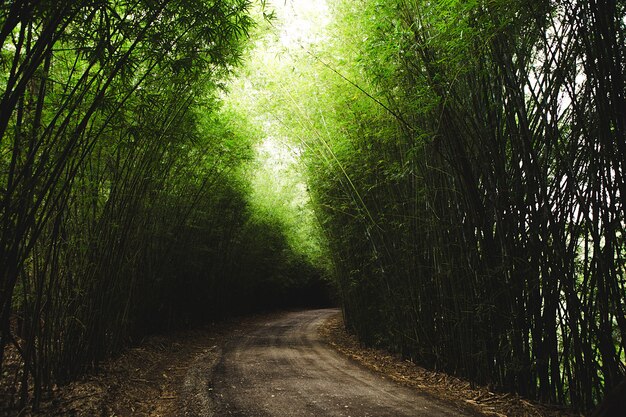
{"points": [[451, 174]]}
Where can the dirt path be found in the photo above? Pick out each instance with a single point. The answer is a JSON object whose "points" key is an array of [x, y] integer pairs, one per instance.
{"points": [[279, 364], [282, 368]]}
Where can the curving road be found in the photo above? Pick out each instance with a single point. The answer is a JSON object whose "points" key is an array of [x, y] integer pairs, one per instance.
{"points": [[281, 368]]}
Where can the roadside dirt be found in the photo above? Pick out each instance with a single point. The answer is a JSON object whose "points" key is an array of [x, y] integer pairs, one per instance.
{"points": [[439, 385], [148, 380]]}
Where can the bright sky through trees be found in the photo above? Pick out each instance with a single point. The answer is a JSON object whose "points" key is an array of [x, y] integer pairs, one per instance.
{"points": [[278, 184], [301, 22]]}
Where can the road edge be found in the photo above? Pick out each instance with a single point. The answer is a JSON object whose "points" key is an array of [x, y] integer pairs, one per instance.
{"points": [[451, 390]]}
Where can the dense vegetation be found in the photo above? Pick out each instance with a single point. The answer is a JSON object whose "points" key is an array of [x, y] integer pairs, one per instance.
{"points": [[124, 203], [467, 161]]}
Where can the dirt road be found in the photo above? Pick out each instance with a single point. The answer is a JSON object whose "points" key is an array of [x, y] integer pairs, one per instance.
{"points": [[281, 368]]}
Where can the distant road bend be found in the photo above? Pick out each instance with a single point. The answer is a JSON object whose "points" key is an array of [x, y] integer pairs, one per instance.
{"points": [[281, 368]]}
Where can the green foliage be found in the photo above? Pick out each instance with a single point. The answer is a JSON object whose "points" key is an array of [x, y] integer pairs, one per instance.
{"points": [[124, 198], [464, 169], [468, 190], [260, 91]]}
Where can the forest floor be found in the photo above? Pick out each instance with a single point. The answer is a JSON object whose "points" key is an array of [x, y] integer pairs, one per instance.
{"points": [[437, 384], [159, 377], [147, 380]]}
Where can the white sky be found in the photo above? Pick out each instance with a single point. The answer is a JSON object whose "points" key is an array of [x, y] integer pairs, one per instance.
{"points": [[301, 21], [278, 178]]}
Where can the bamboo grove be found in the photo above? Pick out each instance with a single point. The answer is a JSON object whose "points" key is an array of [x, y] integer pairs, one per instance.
{"points": [[123, 205], [466, 160]]}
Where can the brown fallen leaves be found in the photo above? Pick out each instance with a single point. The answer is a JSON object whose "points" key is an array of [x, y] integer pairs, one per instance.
{"points": [[144, 381], [452, 390]]}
